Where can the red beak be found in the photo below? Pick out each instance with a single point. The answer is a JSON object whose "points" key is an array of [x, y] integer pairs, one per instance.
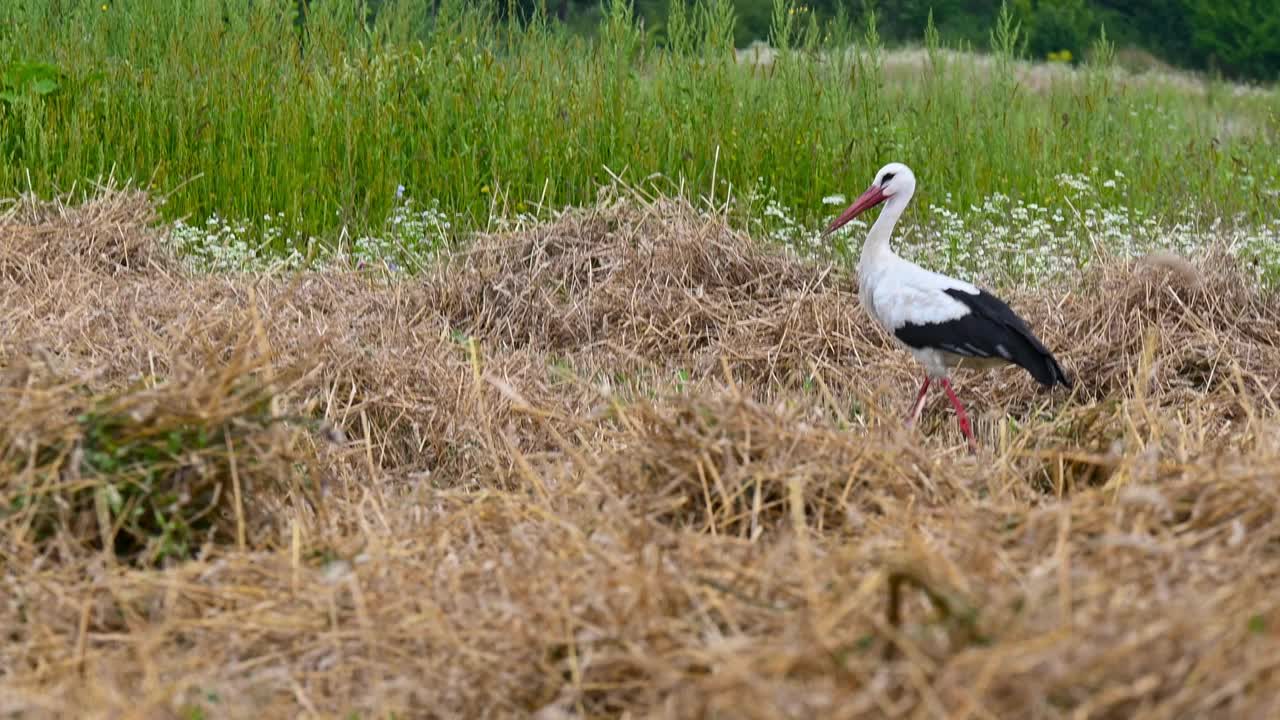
{"points": [[869, 199]]}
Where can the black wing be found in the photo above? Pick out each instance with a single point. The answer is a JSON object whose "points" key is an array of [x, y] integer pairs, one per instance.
{"points": [[989, 330]]}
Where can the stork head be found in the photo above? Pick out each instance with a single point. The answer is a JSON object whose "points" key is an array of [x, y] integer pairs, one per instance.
{"points": [[893, 179]]}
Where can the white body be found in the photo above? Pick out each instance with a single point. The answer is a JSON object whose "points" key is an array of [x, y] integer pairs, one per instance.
{"points": [[897, 291]]}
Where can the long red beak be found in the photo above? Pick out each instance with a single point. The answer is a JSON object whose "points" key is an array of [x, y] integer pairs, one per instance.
{"points": [[869, 199]]}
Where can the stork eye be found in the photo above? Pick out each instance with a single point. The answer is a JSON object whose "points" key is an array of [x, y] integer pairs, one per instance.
{"points": [[885, 180]]}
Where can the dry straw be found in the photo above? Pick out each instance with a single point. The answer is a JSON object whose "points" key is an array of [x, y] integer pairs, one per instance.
{"points": [[625, 463]]}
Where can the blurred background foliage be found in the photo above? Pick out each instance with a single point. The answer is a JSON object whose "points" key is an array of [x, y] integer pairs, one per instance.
{"points": [[1239, 39]]}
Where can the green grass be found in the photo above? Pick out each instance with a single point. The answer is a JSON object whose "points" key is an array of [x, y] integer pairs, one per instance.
{"points": [[234, 109]]}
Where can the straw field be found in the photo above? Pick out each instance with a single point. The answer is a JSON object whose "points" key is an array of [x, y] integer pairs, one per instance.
{"points": [[629, 462]]}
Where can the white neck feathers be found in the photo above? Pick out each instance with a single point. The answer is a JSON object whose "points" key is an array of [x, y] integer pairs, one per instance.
{"points": [[876, 246]]}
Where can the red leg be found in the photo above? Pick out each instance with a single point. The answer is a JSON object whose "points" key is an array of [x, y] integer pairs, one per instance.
{"points": [[915, 409], [961, 415]]}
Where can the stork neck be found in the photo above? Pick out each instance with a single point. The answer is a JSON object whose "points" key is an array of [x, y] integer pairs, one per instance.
{"points": [[877, 243]]}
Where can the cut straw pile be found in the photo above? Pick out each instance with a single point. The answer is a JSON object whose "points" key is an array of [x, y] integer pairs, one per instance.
{"points": [[625, 463]]}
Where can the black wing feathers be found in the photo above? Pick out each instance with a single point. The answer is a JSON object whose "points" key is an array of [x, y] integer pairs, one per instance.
{"points": [[989, 330]]}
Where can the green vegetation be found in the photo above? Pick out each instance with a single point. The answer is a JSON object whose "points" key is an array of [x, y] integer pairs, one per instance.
{"points": [[1239, 39], [244, 111], [148, 473]]}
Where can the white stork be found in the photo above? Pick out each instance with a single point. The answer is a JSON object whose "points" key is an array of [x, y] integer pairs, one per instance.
{"points": [[944, 322]]}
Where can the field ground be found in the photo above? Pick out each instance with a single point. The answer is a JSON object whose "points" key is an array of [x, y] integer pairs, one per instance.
{"points": [[624, 462]]}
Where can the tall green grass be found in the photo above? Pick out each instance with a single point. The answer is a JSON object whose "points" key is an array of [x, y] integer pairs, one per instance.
{"points": [[242, 109]]}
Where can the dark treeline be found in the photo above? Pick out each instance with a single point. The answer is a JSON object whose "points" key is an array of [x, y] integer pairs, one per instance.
{"points": [[1240, 39]]}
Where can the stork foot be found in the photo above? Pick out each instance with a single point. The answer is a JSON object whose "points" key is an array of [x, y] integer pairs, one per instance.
{"points": [[919, 406], [962, 417]]}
